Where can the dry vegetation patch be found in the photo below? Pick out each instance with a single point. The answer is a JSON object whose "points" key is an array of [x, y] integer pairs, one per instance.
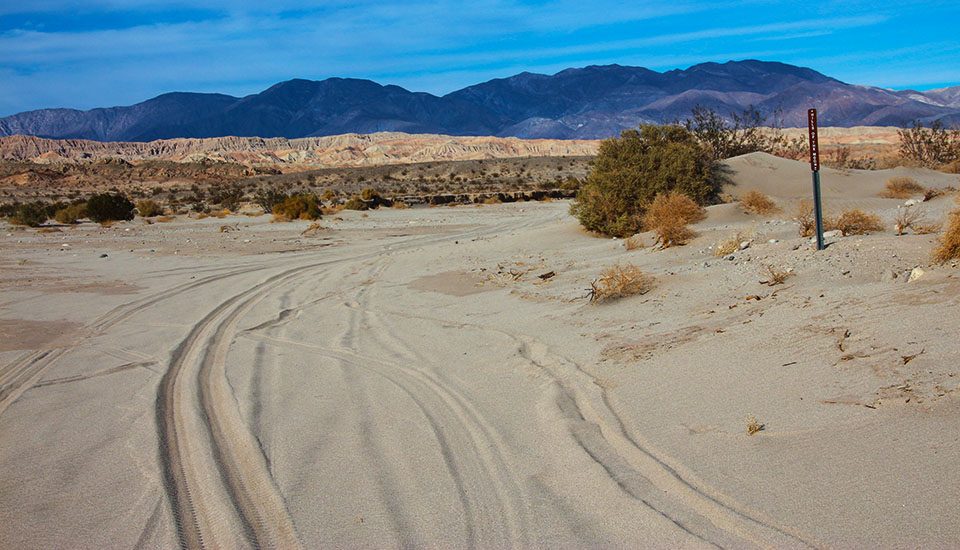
{"points": [[634, 242], [619, 281], [753, 426], [774, 275], [729, 245], [949, 247], [902, 188], [755, 202], [854, 222], [668, 216]]}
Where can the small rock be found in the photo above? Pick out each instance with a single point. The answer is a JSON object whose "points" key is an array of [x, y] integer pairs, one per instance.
{"points": [[888, 276], [65, 245], [915, 274], [730, 257], [744, 245], [103, 255], [912, 202], [246, 240], [797, 246], [773, 241]]}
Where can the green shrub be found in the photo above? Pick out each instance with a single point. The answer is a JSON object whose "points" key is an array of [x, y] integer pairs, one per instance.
{"points": [[71, 214], [268, 198], [298, 207], [31, 214], [630, 171], [149, 208], [106, 207]]}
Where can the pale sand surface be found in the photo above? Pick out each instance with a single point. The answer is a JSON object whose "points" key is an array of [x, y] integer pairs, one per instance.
{"points": [[406, 379]]}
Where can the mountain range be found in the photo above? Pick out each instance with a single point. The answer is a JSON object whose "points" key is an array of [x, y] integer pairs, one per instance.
{"points": [[583, 103]]}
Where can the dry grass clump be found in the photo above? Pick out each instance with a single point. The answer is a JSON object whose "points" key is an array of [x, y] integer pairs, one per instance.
{"points": [[634, 242], [949, 247], [729, 245], [165, 219], [755, 202], [400, 205], [854, 222], [668, 216], [619, 281], [774, 275], [49, 230], [902, 188], [492, 200], [753, 426]]}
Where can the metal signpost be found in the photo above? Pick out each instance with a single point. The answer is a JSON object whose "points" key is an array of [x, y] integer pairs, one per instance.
{"points": [[815, 166]]}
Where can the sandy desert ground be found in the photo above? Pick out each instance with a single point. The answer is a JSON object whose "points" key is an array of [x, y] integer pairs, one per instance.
{"points": [[406, 378]]}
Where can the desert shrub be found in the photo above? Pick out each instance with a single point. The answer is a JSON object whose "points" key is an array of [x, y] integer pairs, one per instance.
{"points": [[908, 218], [630, 171], [400, 205], [805, 218], [105, 207], [165, 219], [355, 203], [854, 222], [297, 207], [619, 281], [30, 214], [756, 202], [668, 216], [633, 243], [931, 147], [949, 247], [71, 214], [268, 198], [739, 134], [149, 208], [902, 188]]}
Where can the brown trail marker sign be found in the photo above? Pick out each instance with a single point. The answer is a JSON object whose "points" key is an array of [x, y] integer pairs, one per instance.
{"points": [[815, 167]]}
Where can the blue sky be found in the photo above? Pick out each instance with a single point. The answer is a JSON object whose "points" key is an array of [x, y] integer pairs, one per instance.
{"points": [[93, 53]]}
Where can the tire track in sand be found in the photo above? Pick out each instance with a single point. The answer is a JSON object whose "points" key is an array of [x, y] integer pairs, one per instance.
{"points": [[23, 373], [220, 488]]}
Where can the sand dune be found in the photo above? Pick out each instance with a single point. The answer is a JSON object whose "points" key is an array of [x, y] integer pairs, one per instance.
{"points": [[406, 379]]}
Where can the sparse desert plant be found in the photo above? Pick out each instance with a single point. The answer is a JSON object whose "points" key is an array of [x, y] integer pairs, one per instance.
{"points": [[492, 200], [908, 217], [634, 242], [753, 426], [930, 147], [729, 245], [902, 188], [927, 228], [630, 171], [268, 198], [668, 216], [149, 208], [165, 219], [314, 227], [108, 207], [774, 275], [619, 281], [71, 214], [400, 205], [854, 221], [805, 218], [756, 202], [949, 247], [297, 207], [31, 214]]}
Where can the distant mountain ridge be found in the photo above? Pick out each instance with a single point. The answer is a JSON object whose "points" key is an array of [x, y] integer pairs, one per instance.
{"points": [[585, 103]]}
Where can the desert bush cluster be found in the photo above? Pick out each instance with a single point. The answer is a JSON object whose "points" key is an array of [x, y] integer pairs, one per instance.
{"points": [[852, 221], [297, 207], [932, 147], [631, 171]]}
